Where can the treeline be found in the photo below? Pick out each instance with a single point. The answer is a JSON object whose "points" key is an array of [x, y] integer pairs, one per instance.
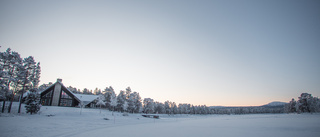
{"points": [[17, 75], [171, 108], [248, 110], [131, 102]]}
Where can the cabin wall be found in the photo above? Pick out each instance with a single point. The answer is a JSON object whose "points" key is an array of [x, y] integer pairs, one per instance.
{"points": [[56, 95]]}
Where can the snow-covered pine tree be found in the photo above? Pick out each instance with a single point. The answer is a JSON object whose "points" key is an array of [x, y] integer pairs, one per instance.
{"points": [[121, 98], [100, 102], [5, 62], [3, 89], [17, 60], [131, 103], [32, 102], [108, 93], [35, 75], [148, 105], [137, 102], [128, 92], [314, 104], [72, 89], [125, 106], [174, 108], [45, 86], [113, 102], [86, 91], [97, 91], [184, 108], [167, 107], [290, 107], [8, 73], [304, 103], [25, 76], [159, 108]]}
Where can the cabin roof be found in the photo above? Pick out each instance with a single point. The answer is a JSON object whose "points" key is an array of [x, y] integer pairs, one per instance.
{"points": [[84, 98]]}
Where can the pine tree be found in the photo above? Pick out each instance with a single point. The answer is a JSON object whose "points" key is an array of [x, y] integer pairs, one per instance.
{"points": [[131, 103], [108, 93], [32, 102], [304, 102], [113, 102], [26, 76], [35, 75], [148, 105], [134, 102], [72, 89], [290, 107], [137, 102], [100, 102], [97, 91], [128, 92], [167, 107], [159, 108], [174, 108], [121, 98], [86, 91], [125, 106], [9, 62]]}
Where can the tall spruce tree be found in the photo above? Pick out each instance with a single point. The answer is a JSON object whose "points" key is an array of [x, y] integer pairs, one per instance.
{"points": [[121, 98], [113, 101], [108, 92], [32, 102], [100, 102], [27, 76]]}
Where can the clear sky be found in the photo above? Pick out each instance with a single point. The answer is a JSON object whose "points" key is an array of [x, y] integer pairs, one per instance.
{"points": [[218, 52]]}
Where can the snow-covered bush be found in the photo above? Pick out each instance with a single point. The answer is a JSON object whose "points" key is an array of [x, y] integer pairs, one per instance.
{"points": [[32, 102]]}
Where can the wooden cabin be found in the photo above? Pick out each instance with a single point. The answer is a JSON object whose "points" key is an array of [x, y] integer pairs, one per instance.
{"points": [[58, 95]]}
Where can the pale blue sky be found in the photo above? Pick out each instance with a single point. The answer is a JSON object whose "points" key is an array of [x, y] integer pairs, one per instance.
{"points": [[225, 52]]}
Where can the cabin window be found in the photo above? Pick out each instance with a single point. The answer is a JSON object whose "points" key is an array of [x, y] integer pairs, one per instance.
{"points": [[49, 94], [46, 99], [66, 102], [65, 99], [65, 95]]}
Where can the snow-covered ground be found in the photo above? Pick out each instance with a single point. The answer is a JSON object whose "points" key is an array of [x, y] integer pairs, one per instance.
{"points": [[66, 121]]}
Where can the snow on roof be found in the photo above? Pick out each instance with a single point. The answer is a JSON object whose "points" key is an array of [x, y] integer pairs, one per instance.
{"points": [[86, 99]]}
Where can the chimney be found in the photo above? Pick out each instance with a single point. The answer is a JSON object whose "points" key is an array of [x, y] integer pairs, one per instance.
{"points": [[59, 80]]}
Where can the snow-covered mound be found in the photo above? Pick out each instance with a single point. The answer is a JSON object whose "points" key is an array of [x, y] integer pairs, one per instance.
{"points": [[275, 103]]}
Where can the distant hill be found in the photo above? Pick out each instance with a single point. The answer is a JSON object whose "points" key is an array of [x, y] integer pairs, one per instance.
{"points": [[273, 107], [271, 104], [275, 104]]}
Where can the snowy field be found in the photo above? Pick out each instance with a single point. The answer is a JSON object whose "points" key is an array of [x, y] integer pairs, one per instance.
{"points": [[66, 122]]}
